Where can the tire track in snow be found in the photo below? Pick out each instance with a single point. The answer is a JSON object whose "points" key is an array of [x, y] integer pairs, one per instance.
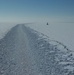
{"points": [[18, 60]]}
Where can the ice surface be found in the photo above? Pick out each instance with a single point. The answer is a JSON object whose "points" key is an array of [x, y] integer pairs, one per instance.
{"points": [[24, 51]]}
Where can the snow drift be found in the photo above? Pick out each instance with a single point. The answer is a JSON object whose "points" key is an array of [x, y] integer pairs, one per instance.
{"points": [[24, 51]]}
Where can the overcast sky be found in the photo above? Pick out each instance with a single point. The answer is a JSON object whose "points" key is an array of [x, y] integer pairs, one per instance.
{"points": [[36, 10]]}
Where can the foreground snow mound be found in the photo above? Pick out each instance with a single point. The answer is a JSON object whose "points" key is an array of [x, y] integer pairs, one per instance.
{"points": [[24, 51]]}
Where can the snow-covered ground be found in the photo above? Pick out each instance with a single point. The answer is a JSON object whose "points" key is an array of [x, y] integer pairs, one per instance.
{"points": [[4, 28], [63, 32], [24, 51]]}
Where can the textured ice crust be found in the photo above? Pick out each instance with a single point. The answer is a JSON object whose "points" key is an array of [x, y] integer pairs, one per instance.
{"points": [[24, 51], [55, 58]]}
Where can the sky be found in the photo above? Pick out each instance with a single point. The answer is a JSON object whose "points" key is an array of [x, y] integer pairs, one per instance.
{"points": [[21, 11]]}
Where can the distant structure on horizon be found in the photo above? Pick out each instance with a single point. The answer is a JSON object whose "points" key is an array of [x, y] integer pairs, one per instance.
{"points": [[47, 23]]}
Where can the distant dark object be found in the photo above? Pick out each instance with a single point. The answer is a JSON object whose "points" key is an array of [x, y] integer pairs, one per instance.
{"points": [[47, 23]]}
